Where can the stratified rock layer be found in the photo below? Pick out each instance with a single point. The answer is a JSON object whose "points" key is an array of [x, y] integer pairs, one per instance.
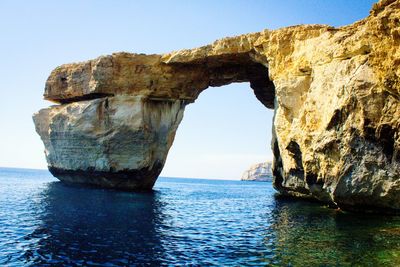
{"points": [[335, 93], [261, 172], [118, 142]]}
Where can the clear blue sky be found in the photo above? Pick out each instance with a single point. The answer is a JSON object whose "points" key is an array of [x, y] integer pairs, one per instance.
{"points": [[226, 130]]}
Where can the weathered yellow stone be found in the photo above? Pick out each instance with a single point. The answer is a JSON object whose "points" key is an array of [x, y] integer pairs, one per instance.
{"points": [[335, 93]]}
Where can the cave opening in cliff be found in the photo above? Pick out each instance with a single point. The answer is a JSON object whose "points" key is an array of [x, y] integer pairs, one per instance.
{"points": [[221, 135]]}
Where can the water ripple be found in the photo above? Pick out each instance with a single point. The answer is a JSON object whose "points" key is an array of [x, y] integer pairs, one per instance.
{"points": [[183, 222]]}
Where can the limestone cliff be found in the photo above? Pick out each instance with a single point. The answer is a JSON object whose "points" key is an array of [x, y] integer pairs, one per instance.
{"points": [[261, 172], [120, 142], [335, 94]]}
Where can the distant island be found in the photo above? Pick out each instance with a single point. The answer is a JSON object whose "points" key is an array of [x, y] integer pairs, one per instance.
{"points": [[261, 172]]}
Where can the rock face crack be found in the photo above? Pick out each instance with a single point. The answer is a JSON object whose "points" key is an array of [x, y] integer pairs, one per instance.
{"points": [[334, 92]]}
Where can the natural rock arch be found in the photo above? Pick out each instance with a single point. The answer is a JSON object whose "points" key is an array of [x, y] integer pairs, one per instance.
{"points": [[152, 91], [335, 94]]}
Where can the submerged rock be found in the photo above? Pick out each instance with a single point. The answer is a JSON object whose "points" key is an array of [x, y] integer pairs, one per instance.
{"points": [[335, 94], [261, 172]]}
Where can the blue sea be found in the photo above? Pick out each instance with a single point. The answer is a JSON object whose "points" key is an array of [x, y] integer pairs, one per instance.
{"points": [[193, 222]]}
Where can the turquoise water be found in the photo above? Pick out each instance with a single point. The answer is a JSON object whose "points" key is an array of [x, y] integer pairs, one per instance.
{"points": [[183, 222]]}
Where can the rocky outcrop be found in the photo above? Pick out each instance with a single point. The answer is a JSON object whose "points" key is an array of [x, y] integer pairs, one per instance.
{"points": [[335, 94], [261, 172], [162, 77], [119, 142]]}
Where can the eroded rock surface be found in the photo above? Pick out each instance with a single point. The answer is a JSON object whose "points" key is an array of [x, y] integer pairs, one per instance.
{"points": [[335, 93], [118, 142]]}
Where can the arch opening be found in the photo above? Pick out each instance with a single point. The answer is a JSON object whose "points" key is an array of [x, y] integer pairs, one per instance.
{"points": [[220, 70], [225, 132], [124, 110]]}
